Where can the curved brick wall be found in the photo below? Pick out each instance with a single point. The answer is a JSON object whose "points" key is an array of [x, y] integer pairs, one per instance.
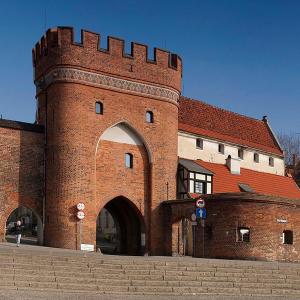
{"points": [[73, 131]]}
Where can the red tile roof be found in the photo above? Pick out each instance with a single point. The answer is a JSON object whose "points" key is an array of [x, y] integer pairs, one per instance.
{"points": [[262, 183], [206, 120]]}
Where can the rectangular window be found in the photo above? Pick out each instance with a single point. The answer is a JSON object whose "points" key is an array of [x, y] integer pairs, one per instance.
{"points": [[129, 160], [199, 187], [287, 237], [221, 148], [241, 153], [200, 176], [256, 157], [208, 188], [199, 143], [243, 234], [191, 186], [271, 161]]}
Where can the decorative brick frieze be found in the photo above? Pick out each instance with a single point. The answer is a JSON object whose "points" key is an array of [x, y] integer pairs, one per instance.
{"points": [[109, 82]]}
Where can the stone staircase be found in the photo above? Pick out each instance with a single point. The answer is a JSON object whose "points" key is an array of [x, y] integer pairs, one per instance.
{"points": [[60, 270]]}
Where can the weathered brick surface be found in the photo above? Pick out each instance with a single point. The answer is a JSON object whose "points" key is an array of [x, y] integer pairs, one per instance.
{"points": [[226, 216], [82, 169], [21, 172]]}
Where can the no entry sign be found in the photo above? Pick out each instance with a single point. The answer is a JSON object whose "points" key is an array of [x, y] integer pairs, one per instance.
{"points": [[200, 203]]}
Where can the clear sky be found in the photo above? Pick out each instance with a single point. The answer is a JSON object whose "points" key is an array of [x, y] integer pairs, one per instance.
{"points": [[242, 55]]}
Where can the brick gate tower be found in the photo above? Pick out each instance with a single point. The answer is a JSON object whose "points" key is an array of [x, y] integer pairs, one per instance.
{"points": [[111, 123]]}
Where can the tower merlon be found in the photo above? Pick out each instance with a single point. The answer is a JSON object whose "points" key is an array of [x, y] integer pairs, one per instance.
{"points": [[58, 47]]}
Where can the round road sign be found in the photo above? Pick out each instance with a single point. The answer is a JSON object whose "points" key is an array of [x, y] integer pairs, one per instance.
{"points": [[80, 215], [80, 206], [200, 203]]}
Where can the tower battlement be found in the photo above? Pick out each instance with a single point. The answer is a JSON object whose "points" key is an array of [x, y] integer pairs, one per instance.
{"points": [[58, 48]]}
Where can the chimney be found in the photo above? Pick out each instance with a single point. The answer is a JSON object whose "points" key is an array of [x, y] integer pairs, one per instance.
{"points": [[234, 165]]}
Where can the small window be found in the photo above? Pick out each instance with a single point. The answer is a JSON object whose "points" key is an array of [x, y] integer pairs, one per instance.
{"points": [[199, 143], [271, 161], [198, 187], [99, 108], [221, 148], [287, 237], [241, 153], [129, 160], [243, 234], [149, 117], [256, 157]]}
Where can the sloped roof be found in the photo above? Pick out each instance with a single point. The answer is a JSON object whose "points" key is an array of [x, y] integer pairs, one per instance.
{"points": [[192, 166], [207, 120], [262, 183]]}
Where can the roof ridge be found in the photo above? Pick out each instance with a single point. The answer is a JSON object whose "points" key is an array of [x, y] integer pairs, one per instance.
{"points": [[223, 109]]}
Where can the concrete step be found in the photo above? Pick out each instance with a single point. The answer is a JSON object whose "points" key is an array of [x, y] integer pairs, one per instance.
{"points": [[77, 271]]}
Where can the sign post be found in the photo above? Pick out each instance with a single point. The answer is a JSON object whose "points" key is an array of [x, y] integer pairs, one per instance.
{"points": [[80, 216], [201, 215]]}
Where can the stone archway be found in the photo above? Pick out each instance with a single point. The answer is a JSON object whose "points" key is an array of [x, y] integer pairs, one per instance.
{"points": [[121, 228], [31, 224]]}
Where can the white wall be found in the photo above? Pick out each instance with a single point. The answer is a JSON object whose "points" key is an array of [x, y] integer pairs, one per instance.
{"points": [[187, 149], [121, 134]]}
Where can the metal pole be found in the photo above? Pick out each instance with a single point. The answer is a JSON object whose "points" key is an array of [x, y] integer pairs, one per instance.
{"points": [[194, 242], [80, 233], [203, 237]]}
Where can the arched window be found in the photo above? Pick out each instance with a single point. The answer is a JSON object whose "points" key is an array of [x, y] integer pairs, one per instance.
{"points": [[99, 108], [149, 117], [129, 160]]}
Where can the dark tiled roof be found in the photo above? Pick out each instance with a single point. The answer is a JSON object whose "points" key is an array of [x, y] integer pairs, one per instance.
{"points": [[21, 125], [193, 167], [207, 120]]}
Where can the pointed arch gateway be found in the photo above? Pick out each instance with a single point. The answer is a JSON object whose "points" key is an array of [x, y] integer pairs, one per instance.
{"points": [[123, 168]]}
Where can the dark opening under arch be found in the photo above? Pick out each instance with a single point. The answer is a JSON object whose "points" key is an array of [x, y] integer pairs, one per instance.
{"points": [[120, 228], [32, 228]]}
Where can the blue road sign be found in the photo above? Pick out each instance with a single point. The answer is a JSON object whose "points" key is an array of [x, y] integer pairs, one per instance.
{"points": [[201, 213]]}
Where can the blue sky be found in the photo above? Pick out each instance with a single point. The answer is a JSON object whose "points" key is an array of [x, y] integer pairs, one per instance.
{"points": [[237, 54]]}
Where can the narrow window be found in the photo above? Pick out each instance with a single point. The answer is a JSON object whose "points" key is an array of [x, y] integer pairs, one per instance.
{"points": [[149, 117], [199, 187], [241, 153], [99, 108], [271, 161], [287, 237], [256, 157], [221, 148], [199, 143], [243, 234], [129, 160]]}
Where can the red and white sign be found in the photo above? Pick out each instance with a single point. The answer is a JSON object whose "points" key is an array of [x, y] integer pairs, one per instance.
{"points": [[200, 203], [80, 215], [80, 206]]}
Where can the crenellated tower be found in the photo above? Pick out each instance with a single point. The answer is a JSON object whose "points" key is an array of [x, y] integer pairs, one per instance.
{"points": [[85, 147]]}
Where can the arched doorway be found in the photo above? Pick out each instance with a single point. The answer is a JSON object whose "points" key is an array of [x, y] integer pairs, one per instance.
{"points": [[32, 228], [120, 228]]}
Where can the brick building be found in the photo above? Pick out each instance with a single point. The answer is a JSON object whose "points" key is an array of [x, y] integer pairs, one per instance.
{"points": [[112, 131]]}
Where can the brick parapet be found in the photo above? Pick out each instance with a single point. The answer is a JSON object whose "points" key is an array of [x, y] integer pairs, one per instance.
{"points": [[58, 48]]}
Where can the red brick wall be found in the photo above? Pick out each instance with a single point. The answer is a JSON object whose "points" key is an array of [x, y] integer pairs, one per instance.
{"points": [[265, 231], [73, 133], [225, 217], [21, 172]]}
